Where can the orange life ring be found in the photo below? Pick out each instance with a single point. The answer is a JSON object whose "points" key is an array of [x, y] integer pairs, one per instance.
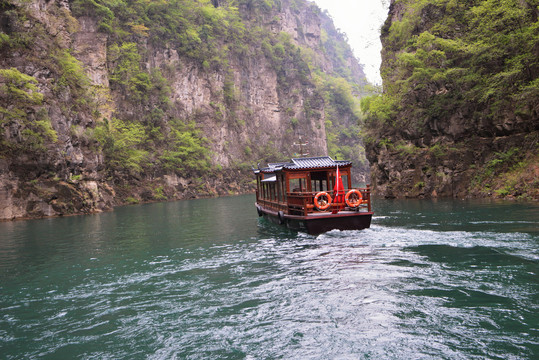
{"points": [[322, 204], [353, 202]]}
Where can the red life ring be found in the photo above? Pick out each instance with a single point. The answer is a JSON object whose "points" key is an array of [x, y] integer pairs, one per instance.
{"points": [[353, 201], [323, 204]]}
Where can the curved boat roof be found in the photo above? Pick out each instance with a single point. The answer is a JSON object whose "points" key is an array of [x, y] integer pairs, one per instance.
{"points": [[320, 162]]}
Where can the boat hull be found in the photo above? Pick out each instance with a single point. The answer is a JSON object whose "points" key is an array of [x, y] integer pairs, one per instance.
{"points": [[318, 224]]}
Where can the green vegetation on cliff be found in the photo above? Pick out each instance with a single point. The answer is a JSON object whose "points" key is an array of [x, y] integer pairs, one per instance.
{"points": [[455, 70], [446, 54], [147, 99], [22, 96], [210, 35], [197, 29]]}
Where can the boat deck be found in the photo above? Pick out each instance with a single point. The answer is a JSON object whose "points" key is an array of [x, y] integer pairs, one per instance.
{"points": [[313, 194], [342, 212]]}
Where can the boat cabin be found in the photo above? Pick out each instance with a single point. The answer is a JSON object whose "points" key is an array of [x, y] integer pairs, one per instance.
{"points": [[306, 186]]}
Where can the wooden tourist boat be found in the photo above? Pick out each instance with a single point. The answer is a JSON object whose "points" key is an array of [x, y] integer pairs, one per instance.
{"points": [[308, 194]]}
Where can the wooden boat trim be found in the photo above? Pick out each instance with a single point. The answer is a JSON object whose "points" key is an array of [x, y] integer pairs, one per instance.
{"points": [[286, 191]]}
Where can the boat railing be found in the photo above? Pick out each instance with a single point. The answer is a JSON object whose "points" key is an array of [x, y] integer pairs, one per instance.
{"points": [[272, 204], [302, 203]]}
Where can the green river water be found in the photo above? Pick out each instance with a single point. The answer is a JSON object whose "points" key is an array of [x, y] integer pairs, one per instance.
{"points": [[208, 279]]}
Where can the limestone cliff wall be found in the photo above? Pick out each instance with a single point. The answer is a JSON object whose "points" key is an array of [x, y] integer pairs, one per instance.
{"points": [[50, 161], [451, 121]]}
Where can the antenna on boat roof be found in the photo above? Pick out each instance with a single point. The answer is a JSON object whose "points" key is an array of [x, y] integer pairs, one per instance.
{"points": [[301, 145]]}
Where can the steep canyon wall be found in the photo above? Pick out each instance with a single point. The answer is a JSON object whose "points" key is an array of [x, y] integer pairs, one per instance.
{"points": [[100, 106], [459, 113]]}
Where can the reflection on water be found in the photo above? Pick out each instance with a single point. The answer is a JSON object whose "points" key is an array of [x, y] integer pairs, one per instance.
{"points": [[209, 279]]}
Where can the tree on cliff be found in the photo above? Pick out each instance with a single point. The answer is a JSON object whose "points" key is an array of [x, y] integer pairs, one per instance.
{"points": [[453, 70]]}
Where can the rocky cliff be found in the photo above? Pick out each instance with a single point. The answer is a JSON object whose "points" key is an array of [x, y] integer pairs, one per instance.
{"points": [[459, 112], [110, 102]]}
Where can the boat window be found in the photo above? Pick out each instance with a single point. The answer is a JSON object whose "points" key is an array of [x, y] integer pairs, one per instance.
{"points": [[319, 181], [282, 188], [345, 181], [333, 181], [298, 185], [268, 191], [319, 185]]}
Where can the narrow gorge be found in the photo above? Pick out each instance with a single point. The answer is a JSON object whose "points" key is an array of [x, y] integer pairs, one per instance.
{"points": [[112, 102], [104, 103]]}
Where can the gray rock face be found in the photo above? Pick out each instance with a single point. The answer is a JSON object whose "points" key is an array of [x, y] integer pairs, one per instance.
{"points": [[459, 145], [66, 172]]}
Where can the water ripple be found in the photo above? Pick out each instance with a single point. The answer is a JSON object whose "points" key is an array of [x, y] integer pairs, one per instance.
{"points": [[390, 291]]}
